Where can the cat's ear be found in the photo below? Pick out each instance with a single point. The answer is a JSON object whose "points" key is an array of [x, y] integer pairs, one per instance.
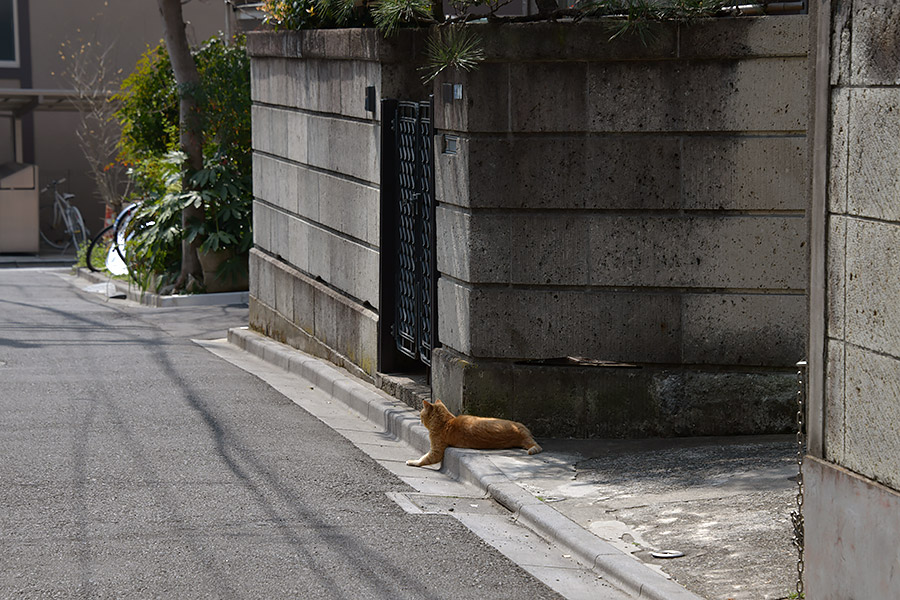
{"points": [[427, 403], [439, 401]]}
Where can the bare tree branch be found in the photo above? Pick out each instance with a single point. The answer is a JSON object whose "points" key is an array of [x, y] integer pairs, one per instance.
{"points": [[88, 72]]}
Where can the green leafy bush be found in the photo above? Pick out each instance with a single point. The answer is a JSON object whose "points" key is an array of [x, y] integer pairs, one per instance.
{"points": [[150, 146], [290, 15], [98, 258], [224, 101], [226, 193], [148, 108], [154, 248]]}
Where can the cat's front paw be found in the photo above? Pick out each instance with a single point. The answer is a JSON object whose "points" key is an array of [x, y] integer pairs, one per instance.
{"points": [[413, 463]]}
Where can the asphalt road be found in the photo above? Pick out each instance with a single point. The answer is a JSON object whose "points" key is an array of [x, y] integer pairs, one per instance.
{"points": [[136, 464]]}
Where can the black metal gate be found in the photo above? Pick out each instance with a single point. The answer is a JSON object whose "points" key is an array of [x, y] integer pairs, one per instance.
{"points": [[408, 225]]}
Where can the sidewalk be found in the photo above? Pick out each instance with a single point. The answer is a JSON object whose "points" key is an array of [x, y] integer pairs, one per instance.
{"points": [[663, 519]]}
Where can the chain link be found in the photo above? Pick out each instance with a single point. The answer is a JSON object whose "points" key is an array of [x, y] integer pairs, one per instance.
{"points": [[797, 516]]}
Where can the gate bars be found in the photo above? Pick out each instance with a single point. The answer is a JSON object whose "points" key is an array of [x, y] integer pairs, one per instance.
{"points": [[408, 266]]}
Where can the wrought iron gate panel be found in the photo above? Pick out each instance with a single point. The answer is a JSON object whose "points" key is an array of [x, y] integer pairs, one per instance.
{"points": [[427, 233], [415, 264]]}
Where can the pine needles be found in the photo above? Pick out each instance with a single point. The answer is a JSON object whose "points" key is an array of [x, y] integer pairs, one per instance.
{"points": [[389, 15], [452, 46]]}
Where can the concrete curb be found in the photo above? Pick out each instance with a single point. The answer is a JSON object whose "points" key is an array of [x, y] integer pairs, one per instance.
{"points": [[470, 466], [15, 261], [159, 301]]}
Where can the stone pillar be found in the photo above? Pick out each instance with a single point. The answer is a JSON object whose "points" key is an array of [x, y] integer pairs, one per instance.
{"points": [[852, 500], [630, 204]]}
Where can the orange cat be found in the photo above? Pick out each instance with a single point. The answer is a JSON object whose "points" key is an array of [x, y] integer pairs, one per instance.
{"points": [[466, 431]]}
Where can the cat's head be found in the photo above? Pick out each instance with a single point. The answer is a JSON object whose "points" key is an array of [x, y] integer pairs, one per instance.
{"points": [[432, 409]]}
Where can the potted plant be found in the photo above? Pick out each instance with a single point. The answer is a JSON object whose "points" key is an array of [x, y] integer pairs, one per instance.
{"points": [[225, 234]]}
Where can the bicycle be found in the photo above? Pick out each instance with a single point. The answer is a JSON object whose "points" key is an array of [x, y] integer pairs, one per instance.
{"points": [[116, 261], [75, 231]]}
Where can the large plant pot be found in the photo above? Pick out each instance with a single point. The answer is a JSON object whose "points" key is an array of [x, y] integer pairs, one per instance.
{"points": [[231, 281]]}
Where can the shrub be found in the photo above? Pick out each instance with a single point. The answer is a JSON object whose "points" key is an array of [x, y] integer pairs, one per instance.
{"points": [[307, 14], [148, 108], [149, 145]]}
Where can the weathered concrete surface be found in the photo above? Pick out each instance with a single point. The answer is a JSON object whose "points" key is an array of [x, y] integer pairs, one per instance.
{"points": [[871, 285], [316, 277], [873, 161], [851, 525], [341, 146], [871, 415], [636, 326], [637, 250], [874, 47], [616, 401], [501, 95], [851, 502], [862, 285], [649, 210], [724, 503], [292, 308]]}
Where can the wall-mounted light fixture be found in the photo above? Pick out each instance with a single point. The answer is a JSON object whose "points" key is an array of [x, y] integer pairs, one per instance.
{"points": [[449, 144]]}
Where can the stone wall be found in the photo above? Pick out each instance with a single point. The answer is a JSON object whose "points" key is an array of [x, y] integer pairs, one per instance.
{"points": [[853, 501], [314, 271], [863, 286], [626, 203], [601, 199]]}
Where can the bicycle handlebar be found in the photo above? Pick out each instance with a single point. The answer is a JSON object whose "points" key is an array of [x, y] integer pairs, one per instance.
{"points": [[53, 184]]}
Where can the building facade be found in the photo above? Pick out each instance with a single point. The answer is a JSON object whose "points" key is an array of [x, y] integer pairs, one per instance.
{"points": [[37, 120]]}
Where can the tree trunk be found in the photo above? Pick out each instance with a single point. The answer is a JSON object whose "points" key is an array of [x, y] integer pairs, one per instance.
{"points": [[191, 133]]}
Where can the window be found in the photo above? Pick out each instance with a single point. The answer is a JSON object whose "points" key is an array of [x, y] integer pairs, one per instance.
{"points": [[9, 34]]}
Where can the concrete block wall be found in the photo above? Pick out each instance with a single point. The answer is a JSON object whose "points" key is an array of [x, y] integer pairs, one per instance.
{"points": [[628, 203], [863, 265], [854, 493], [610, 200], [314, 267]]}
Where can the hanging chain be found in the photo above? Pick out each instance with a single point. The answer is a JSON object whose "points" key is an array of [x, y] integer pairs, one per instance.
{"points": [[797, 516]]}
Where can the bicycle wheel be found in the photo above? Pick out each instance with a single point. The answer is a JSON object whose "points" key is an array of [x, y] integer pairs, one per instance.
{"points": [[53, 233], [116, 261], [97, 244], [53, 244], [79, 232]]}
